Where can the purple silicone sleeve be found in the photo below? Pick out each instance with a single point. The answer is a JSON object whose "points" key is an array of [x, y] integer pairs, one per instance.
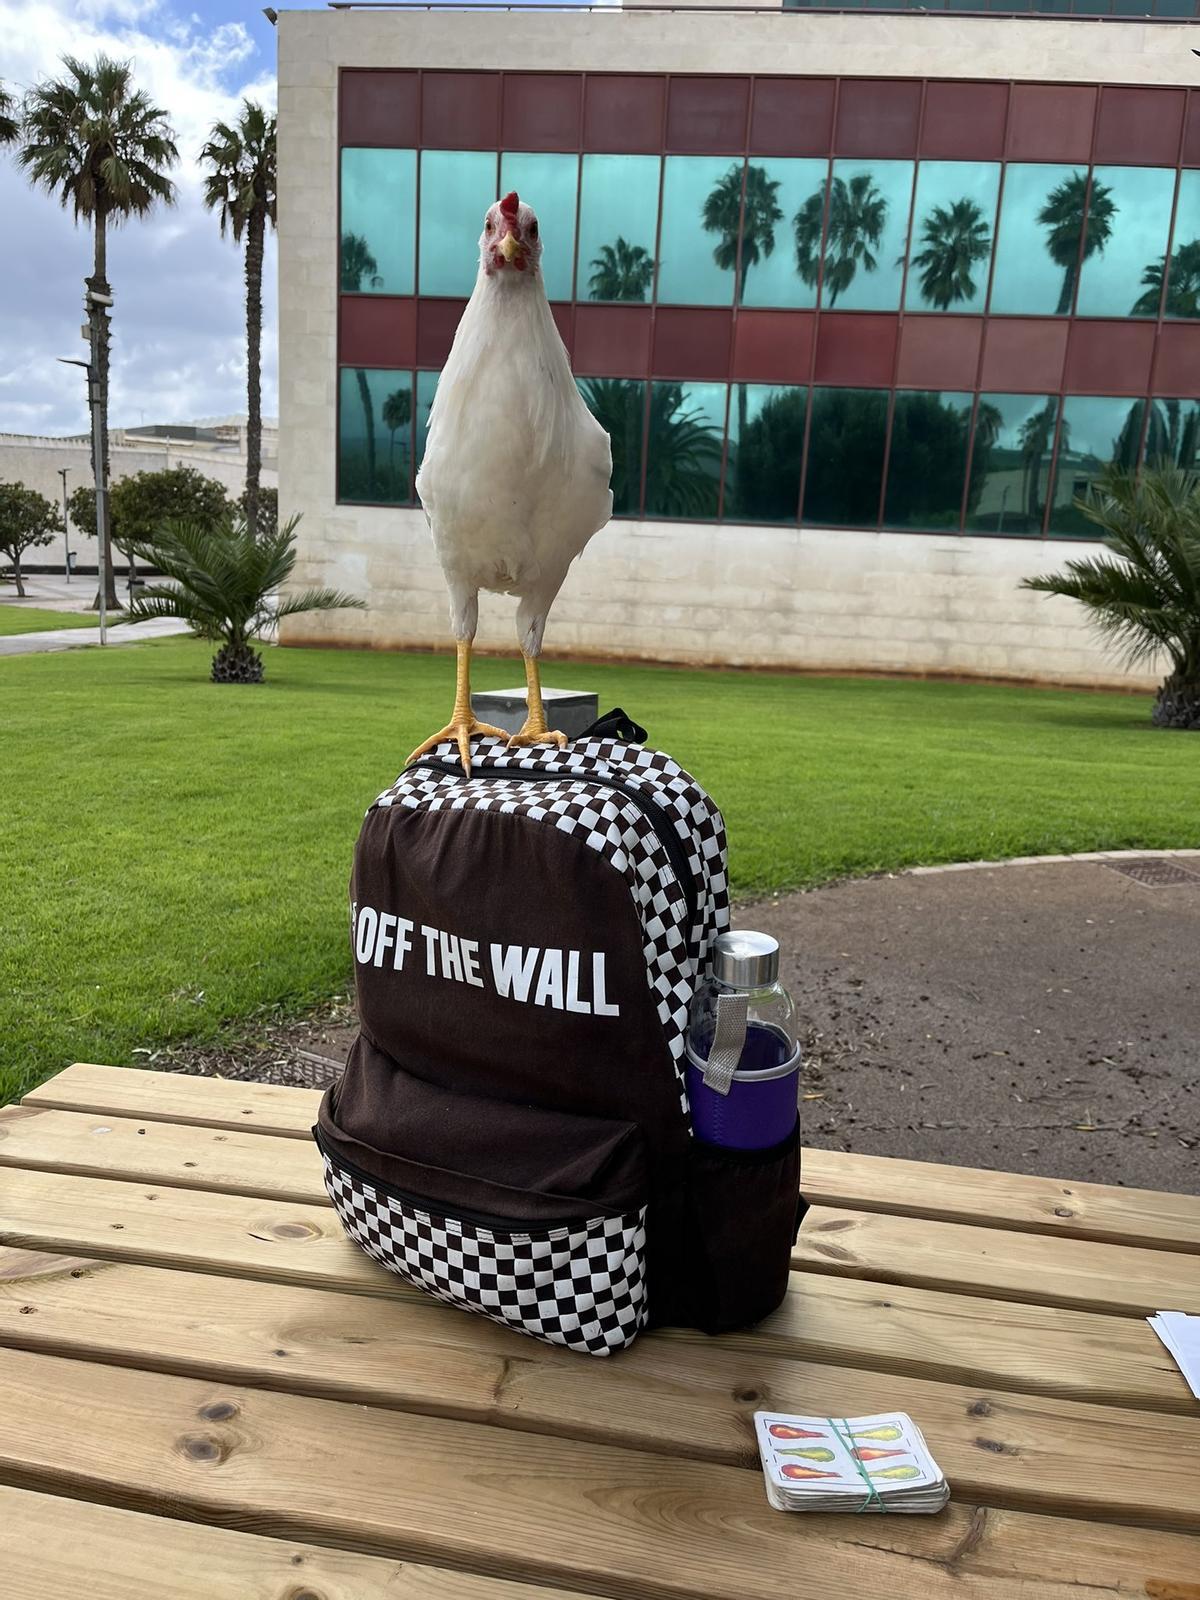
{"points": [[752, 1116]]}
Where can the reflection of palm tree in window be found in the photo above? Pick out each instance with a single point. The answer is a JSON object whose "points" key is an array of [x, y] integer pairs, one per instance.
{"points": [[1172, 437], [989, 421], [622, 271], [684, 458], [359, 265], [857, 214], [1183, 285], [1063, 214], [1125, 445], [768, 460], [955, 238], [1035, 438], [397, 411], [723, 214]]}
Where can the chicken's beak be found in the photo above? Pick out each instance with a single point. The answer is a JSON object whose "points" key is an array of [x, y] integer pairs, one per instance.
{"points": [[510, 246]]}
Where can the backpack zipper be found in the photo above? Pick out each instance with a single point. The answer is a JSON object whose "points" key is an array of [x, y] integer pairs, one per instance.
{"points": [[655, 814], [417, 1202]]}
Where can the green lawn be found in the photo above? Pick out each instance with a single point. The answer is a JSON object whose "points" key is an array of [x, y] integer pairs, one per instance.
{"points": [[175, 854], [17, 617]]}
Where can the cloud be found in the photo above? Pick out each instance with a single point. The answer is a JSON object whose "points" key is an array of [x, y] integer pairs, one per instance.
{"points": [[179, 319]]}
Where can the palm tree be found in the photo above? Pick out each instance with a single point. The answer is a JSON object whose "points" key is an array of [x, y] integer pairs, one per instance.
{"points": [[857, 214], [240, 188], [1035, 438], [10, 126], [724, 214], [1144, 596], [105, 149], [955, 238], [358, 264], [1064, 214], [622, 271], [397, 411], [223, 578], [1183, 285], [683, 457]]}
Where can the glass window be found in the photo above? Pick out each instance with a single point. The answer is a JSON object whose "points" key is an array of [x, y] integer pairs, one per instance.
{"points": [[1010, 464], [1173, 434], [845, 457], [701, 211], [766, 446], [1041, 226], [786, 273], [379, 216], [928, 460], [375, 436], [619, 405], [954, 228], [618, 219], [866, 235], [457, 187], [1183, 279], [427, 383], [1095, 433], [550, 184], [1129, 217], [683, 449]]}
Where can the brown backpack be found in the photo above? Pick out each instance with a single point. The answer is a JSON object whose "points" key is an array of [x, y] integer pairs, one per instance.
{"points": [[511, 1132]]}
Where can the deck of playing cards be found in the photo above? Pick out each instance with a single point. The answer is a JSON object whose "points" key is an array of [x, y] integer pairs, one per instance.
{"points": [[848, 1464]]}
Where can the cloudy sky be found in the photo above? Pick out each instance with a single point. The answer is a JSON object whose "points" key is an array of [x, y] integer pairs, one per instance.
{"points": [[178, 330]]}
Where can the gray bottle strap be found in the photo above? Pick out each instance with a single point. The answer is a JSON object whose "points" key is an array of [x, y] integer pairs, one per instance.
{"points": [[728, 1040]]}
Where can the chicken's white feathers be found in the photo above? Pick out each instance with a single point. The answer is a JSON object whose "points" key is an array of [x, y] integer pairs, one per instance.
{"points": [[515, 477]]}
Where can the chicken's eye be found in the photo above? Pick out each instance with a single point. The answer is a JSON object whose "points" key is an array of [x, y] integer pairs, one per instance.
{"points": [[533, 229], [487, 227]]}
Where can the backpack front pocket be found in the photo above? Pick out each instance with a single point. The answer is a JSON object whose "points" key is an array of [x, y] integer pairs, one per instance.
{"points": [[562, 1256]]}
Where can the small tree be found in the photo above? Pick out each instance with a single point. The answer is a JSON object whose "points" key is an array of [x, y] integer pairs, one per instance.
{"points": [[224, 581], [140, 505], [27, 519], [1144, 596]]}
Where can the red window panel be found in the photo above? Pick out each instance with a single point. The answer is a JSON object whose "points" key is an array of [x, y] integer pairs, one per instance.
{"points": [[460, 110], [1177, 359], [939, 352], [877, 118], [1024, 355], [376, 330], [1050, 122], [541, 110], [1109, 357], [708, 115], [1137, 126], [624, 114], [792, 117], [773, 346], [964, 121], [612, 341], [379, 108], [436, 323], [1191, 136], [856, 348], [690, 342]]}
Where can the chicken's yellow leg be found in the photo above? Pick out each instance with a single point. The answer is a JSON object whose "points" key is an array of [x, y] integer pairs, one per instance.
{"points": [[462, 725], [535, 730]]}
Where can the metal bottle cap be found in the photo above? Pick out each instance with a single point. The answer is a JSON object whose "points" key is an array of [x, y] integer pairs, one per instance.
{"points": [[745, 960]]}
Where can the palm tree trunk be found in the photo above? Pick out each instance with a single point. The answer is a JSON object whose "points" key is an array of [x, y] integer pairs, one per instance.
{"points": [[100, 282], [364, 393], [1067, 293], [254, 266]]}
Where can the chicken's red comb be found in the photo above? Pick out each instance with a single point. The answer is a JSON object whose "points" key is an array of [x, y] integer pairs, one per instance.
{"points": [[509, 205]]}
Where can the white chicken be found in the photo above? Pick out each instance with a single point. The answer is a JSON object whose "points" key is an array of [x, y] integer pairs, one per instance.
{"points": [[515, 477]]}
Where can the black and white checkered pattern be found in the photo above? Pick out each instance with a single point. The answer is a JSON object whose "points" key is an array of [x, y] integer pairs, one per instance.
{"points": [[582, 1285], [570, 795]]}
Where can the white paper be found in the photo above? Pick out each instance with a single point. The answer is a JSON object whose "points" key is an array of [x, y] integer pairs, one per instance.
{"points": [[1180, 1334]]}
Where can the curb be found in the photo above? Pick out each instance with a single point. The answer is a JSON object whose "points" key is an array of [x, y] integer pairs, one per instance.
{"points": [[1041, 861]]}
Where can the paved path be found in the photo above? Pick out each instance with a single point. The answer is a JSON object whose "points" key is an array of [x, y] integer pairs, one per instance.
{"points": [[26, 644]]}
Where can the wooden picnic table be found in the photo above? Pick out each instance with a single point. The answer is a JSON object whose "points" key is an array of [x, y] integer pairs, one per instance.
{"points": [[207, 1393]]}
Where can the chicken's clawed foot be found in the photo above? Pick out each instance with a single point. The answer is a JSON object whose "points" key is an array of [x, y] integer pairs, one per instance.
{"points": [[532, 734], [462, 730]]}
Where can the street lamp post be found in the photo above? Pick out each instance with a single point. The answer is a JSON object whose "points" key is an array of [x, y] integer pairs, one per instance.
{"points": [[62, 472], [96, 302]]}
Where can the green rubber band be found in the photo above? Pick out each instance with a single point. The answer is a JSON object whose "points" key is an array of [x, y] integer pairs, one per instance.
{"points": [[873, 1494]]}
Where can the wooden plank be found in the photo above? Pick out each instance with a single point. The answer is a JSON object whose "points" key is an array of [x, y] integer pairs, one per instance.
{"points": [[181, 1154], [1016, 1201], [891, 1328], [550, 1510], [1002, 1449], [174, 1097], [1112, 1278], [52, 1547]]}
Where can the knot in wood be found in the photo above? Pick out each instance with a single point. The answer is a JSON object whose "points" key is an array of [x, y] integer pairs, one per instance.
{"points": [[199, 1447], [218, 1411], [1063, 1211], [979, 1408]]}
